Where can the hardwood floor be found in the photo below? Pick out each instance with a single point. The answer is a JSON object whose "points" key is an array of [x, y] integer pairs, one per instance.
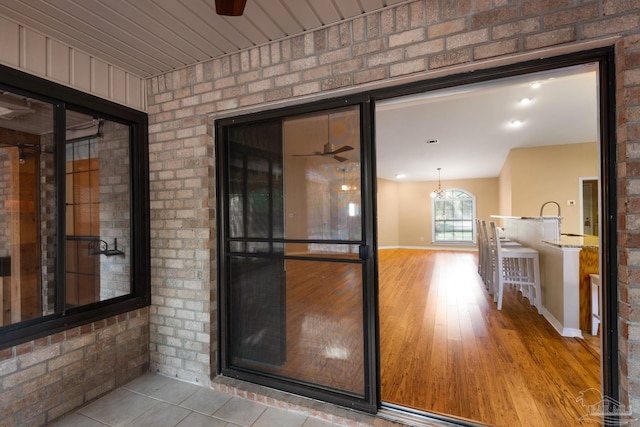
{"points": [[445, 348]]}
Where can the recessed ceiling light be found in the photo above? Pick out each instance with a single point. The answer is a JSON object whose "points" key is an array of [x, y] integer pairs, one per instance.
{"points": [[516, 123], [525, 101], [535, 85], [400, 175]]}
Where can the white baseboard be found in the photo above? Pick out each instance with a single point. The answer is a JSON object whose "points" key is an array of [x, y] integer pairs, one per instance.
{"points": [[565, 332]]}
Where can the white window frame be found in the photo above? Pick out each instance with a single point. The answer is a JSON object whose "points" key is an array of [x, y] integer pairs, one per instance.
{"points": [[448, 192]]}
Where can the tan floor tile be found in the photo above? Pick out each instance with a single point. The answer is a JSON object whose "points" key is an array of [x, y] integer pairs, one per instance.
{"points": [[240, 411], [161, 415], [205, 401], [279, 417], [119, 412]]}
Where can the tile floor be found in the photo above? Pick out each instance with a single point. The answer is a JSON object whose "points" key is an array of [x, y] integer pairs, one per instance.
{"points": [[158, 401]]}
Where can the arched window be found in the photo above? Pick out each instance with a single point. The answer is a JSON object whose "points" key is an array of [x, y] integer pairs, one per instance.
{"points": [[454, 217]]}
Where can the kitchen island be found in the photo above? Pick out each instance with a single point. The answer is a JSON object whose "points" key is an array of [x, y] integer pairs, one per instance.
{"points": [[570, 260], [565, 261]]}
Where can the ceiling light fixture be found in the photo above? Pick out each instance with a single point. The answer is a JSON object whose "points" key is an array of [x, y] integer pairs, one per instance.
{"points": [[525, 101], [400, 175], [516, 123], [439, 193], [535, 85]]}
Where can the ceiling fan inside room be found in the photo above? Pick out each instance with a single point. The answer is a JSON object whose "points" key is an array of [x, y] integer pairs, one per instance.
{"points": [[329, 151], [230, 7]]}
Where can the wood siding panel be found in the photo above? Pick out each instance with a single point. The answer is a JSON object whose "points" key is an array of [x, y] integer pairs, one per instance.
{"points": [[99, 77], [58, 61], [35, 52], [81, 71], [118, 85], [9, 42]]}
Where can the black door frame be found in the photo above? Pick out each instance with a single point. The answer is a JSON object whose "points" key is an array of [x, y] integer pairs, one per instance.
{"points": [[604, 57], [369, 402]]}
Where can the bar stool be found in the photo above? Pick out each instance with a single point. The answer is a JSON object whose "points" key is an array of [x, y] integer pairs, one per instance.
{"points": [[488, 258], [595, 303], [517, 265], [481, 248]]}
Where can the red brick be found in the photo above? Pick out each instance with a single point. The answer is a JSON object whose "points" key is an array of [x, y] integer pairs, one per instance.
{"points": [[550, 38], [495, 16], [500, 48], [570, 16], [539, 7], [610, 26], [449, 58], [6, 353], [447, 28], [613, 7], [72, 333], [23, 348]]}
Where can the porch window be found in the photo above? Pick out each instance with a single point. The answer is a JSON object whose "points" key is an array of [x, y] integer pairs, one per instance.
{"points": [[73, 208]]}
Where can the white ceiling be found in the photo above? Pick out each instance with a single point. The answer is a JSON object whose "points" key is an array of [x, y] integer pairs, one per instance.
{"points": [[150, 37], [472, 124]]}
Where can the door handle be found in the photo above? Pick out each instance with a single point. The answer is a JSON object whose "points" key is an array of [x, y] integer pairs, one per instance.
{"points": [[363, 252]]}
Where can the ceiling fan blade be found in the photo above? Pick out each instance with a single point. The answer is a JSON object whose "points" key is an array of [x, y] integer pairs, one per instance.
{"points": [[230, 7], [342, 149], [340, 158]]}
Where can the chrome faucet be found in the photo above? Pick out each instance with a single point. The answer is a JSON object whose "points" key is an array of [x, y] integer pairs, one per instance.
{"points": [[546, 203]]}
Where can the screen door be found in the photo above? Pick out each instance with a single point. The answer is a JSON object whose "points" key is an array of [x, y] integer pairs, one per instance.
{"points": [[294, 257]]}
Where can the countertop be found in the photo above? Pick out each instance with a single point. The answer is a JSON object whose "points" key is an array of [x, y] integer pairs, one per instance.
{"points": [[526, 217], [575, 242]]}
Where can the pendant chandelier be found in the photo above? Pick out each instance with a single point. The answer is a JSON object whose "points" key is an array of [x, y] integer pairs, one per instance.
{"points": [[439, 193]]}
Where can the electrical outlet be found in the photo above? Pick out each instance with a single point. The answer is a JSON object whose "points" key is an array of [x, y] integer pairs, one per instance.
{"points": [[571, 202]]}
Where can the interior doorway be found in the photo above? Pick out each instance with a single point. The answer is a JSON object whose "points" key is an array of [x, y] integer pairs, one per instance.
{"points": [[590, 206], [444, 346]]}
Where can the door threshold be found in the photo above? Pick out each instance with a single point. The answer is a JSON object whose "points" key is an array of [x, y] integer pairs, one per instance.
{"points": [[416, 418]]}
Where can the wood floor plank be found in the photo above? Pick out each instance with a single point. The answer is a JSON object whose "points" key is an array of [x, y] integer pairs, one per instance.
{"points": [[467, 359]]}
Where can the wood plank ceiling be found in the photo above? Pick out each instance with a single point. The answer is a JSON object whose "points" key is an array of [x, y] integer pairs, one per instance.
{"points": [[151, 37]]}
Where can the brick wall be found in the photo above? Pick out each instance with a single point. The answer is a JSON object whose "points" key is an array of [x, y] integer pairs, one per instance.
{"points": [[409, 42], [43, 379]]}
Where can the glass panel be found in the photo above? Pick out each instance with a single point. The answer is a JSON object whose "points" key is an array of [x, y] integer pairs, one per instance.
{"points": [[27, 209], [322, 176], [98, 196], [299, 319], [255, 181]]}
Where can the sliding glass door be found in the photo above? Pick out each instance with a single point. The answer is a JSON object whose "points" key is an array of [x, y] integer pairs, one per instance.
{"points": [[295, 275]]}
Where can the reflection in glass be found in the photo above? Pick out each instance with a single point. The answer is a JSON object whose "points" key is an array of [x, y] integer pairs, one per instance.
{"points": [[27, 219], [320, 304], [98, 210], [294, 192], [322, 178], [255, 181]]}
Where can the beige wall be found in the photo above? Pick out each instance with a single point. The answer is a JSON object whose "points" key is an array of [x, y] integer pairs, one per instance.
{"points": [[407, 208], [540, 174], [387, 215]]}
